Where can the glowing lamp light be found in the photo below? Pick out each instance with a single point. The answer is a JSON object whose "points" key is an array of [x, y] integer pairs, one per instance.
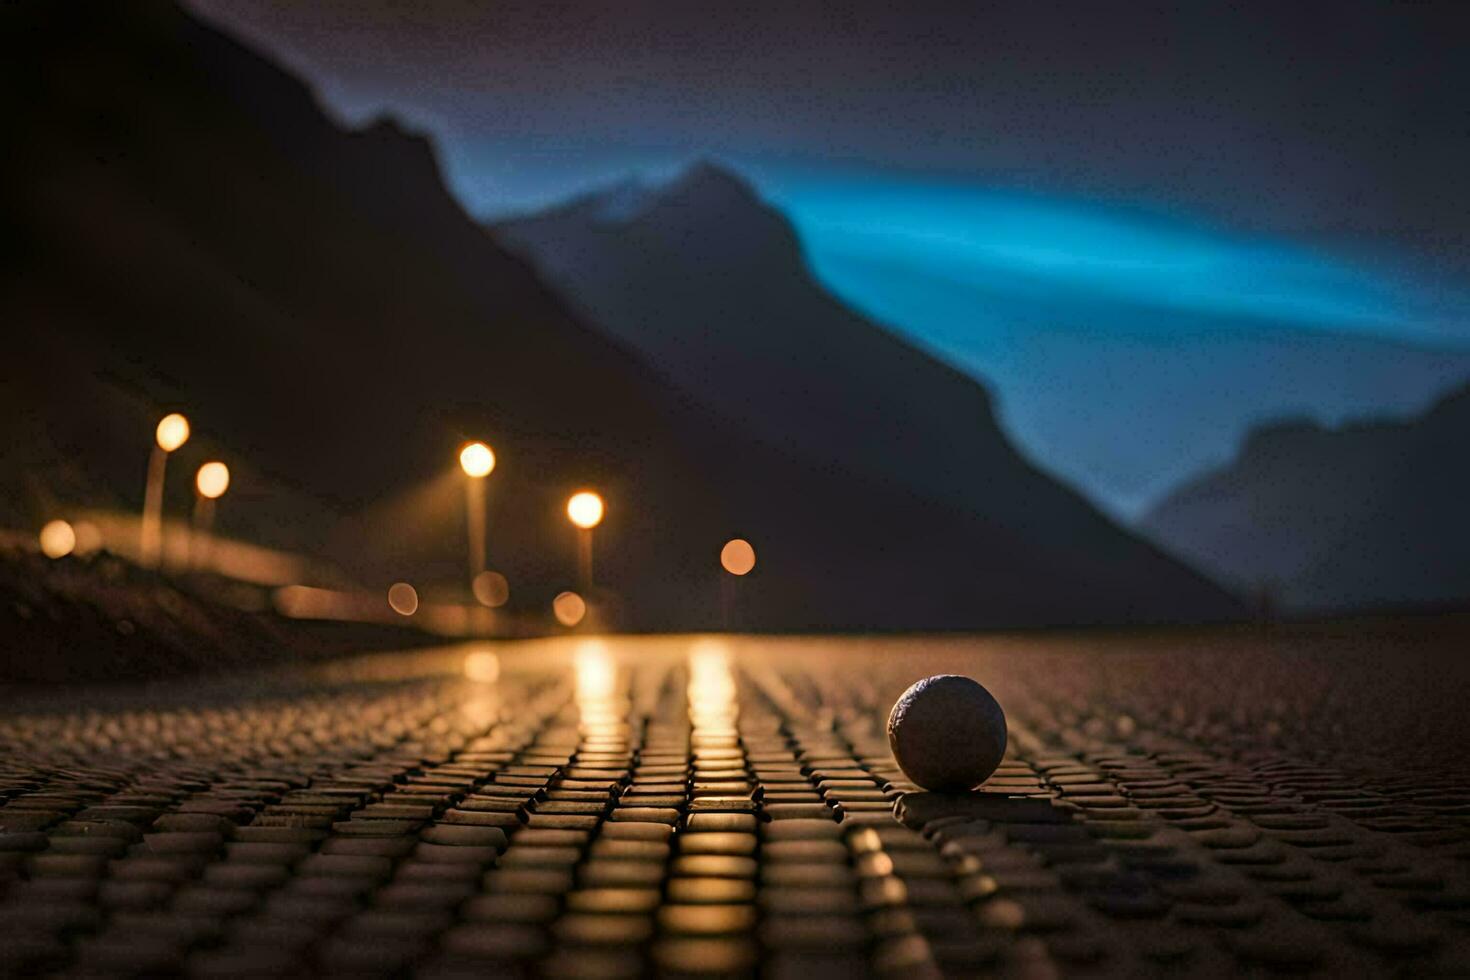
{"points": [[569, 608], [476, 460], [212, 480], [585, 509], [172, 432], [737, 557], [58, 539], [403, 598], [491, 589]]}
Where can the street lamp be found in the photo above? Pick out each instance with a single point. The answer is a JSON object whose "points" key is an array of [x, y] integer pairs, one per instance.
{"points": [[212, 480], [210, 483], [738, 558], [585, 510], [58, 539], [477, 460], [172, 432]]}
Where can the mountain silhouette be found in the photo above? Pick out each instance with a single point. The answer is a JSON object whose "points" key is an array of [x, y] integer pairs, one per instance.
{"points": [[186, 229], [1370, 514], [710, 285]]}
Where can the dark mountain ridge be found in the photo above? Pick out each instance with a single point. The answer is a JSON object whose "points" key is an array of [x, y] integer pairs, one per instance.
{"points": [[1367, 514]]}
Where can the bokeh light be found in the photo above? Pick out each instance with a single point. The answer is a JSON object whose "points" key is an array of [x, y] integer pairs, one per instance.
{"points": [[482, 666], [212, 480], [58, 539], [491, 589], [403, 598], [172, 432], [477, 460], [737, 557], [585, 509], [569, 608]]}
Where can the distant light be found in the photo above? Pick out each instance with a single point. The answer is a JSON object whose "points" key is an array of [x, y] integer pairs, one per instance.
{"points": [[403, 598], [212, 480], [173, 432], [491, 589], [585, 509], [569, 608], [737, 557], [476, 459], [482, 666], [58, 539]]}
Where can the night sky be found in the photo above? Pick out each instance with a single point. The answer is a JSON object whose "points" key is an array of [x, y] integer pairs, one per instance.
{"points": [[1145, 231]]}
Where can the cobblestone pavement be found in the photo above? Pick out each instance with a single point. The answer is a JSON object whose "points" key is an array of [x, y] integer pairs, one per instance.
{"points": [[1170, 805]]}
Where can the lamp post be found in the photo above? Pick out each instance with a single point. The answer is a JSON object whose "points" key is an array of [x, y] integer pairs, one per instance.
{"points": [[477, 460], [172, 432], [585, 510], [210, 483], [738, 558]]}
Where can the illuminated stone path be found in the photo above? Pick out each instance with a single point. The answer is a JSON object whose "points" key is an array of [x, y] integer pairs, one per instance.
{"points": [[589, 807]]}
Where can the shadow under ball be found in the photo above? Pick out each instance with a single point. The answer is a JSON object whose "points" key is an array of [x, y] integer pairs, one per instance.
{"points": [[948, 733]]}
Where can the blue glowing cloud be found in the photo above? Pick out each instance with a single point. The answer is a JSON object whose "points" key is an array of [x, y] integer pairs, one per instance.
{"points": [[1023, 243]]}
